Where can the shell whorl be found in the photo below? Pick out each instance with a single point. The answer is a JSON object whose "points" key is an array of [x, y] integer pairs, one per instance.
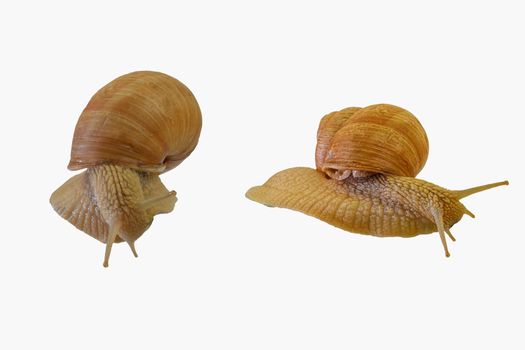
{"points": [[380, 138], [145, 120]]}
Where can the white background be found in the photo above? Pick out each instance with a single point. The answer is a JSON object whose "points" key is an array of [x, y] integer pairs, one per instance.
{"points": [[220, 271]]}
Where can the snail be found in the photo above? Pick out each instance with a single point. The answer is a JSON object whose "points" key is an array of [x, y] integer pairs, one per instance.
{"points": [[136, 127], [364, 181]]}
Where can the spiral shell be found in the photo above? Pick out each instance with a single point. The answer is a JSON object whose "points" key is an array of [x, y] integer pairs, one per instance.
{"points": [[145, 120], [380, 138]]}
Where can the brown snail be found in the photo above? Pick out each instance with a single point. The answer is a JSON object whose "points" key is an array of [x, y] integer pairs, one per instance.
{"points": [[134, 128], [366, 161]]}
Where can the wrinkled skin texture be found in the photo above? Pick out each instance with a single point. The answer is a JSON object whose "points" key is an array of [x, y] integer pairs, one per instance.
{"points": [[113, 203], [379, 205]]}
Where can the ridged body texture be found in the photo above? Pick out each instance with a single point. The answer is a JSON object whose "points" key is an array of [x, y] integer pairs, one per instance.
{"points": [[133, 129], [108, 195], [364, 181], [379, 205]]}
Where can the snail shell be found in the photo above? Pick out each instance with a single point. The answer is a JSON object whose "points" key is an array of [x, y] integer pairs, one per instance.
{"points": [[366, 161], [134, 128], [146, 121], [380, 138]]}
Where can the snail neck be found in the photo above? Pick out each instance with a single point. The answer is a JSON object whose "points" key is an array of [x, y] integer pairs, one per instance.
{"points": [[127, 200], [343, 174], [118, 191]]}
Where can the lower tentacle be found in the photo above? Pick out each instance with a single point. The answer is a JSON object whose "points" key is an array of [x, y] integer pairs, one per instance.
{"points": [[113, 231], [132, 246]]}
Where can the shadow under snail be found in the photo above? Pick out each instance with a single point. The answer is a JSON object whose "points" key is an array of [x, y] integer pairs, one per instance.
{"points": [[367, 160], [134, 128]]}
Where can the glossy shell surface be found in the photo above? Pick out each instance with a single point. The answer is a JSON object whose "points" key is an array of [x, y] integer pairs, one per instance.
{"points": [[145, 120], [379, 138]]}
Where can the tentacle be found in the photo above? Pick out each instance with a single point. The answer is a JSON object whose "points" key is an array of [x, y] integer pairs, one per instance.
{"points": [[148, 203], [469, 213], [450, 234], [113, 231], [438, 220], [465, 193], [132, 246], [162, 203]]}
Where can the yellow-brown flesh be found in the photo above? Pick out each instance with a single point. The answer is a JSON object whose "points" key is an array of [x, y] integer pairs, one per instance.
{"points": [[110, 199], [379, 205]]}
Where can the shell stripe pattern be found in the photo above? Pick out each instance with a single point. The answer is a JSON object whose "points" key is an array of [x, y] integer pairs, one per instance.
{"points": [[143, 120]]}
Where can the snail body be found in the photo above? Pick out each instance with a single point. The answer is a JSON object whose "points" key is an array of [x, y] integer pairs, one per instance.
{"points": [[133, 129], [352, 190]]}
